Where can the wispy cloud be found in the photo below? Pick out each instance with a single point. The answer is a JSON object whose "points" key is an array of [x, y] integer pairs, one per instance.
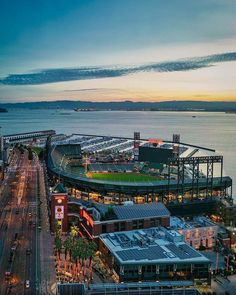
{"points": [[87, 73], [81, 90], [91, 89]]}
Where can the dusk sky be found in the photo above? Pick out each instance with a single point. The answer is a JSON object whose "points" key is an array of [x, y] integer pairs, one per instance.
{"points": [[107, 50]]}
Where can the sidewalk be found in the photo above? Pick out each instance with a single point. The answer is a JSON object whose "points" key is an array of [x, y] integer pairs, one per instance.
{"points": [[48, 274], [222, 285]]}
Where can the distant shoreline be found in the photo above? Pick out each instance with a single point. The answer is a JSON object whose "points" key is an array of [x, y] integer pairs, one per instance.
{"points": [[119, 110], [162, 106]]}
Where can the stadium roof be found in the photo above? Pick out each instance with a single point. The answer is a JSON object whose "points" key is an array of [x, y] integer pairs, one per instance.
{"points": [[141, 211]]}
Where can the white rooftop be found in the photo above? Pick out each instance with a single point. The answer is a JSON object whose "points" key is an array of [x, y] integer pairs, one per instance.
{"points": [[177, 223], [150, 246]]}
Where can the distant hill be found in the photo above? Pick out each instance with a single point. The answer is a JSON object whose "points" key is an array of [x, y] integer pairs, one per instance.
{"points": [[2, 110], [128, 105]]}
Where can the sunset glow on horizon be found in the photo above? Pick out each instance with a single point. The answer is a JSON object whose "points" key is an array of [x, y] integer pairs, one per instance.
{"points": [[108, 52]]}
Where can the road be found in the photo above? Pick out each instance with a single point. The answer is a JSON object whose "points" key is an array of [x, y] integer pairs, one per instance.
{"points": [[18, 226], [222, 285]]}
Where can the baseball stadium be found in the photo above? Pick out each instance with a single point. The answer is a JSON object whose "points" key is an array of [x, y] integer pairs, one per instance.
{"points": [[114, 170]]}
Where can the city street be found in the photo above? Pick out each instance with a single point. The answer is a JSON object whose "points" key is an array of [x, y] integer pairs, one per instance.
{"points": [[18, 226]]}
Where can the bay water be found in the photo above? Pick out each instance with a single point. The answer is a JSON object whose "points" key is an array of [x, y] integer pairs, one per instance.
{"points": [[208, 129]]}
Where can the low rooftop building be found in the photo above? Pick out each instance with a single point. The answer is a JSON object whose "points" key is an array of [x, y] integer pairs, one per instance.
{"points": [[200, 232], [157, 288], [154, 254], [98, 218]]}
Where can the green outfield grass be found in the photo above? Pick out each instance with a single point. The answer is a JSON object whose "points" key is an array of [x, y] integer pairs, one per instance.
{"points": [[37, 150], [126, 177]]}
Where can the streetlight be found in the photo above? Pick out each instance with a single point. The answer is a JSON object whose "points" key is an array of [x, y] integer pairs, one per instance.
{"points": [[60, 167]]}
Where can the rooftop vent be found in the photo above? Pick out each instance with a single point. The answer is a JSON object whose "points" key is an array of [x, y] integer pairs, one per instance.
{"points": [[128, 203]]}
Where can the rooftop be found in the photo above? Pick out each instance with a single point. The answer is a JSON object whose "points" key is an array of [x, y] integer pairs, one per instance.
{"points": [[147, 210], [59, 189], [127, 211], [154, 245], [157, 288], [197, 222]]}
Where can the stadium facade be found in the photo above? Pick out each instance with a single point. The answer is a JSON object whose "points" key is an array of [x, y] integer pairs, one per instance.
{"points": [[190, 181]]}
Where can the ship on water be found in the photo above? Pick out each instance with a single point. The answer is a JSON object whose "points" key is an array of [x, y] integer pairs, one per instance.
{"points": [[84, 110]]}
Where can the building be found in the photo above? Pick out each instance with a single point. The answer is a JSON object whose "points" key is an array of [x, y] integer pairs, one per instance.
{"points": [[185, 183], [96, 219], [227, 213], [231, 231], [151, 288], [200, 232], [1, 170], [59, 208], [154, 254]]}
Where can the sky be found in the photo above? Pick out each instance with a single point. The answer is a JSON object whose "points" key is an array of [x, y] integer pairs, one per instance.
{"points": [[113, 50]]}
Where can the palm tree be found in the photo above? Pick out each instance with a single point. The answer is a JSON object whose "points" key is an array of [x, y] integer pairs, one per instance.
{"points": [[74, 231], [58, 247], [76, 254], [80, 250], [57, 228], [92, 247], [84, 253], [68, 245]]}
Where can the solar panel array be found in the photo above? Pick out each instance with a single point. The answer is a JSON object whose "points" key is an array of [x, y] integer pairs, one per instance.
{"points": [[177, 251], [190, 251], [183, 251], [151, 253]]}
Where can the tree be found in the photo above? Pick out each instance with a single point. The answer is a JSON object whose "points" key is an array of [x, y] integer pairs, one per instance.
{"points": [[92, 248], [76, 254], [57, 228], [68, 245], [84, 253], [81, 253], [74, 231], [58, 246]]}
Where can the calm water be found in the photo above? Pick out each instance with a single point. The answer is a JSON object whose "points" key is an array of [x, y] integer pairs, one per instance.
{"points": [[214, 130]]}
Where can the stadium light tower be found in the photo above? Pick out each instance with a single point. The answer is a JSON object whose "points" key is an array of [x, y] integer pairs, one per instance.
{"points": [[86, 162], [176, 142], [1, 144], [136, 144], [60, 167]]}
